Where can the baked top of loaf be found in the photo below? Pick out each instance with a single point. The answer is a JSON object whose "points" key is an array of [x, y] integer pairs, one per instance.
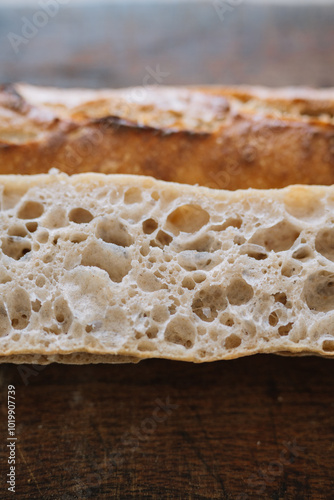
{"points": [[120, 268], [220, 137]]}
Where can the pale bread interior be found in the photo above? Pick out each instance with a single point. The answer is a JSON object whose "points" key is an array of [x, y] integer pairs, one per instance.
{"points": [[118, 268]]}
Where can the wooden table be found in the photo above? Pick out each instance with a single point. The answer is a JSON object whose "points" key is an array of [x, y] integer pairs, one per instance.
{"points": [[258, 427]]}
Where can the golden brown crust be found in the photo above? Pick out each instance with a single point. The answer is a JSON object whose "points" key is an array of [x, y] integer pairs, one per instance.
{"points": [[220, 137]]}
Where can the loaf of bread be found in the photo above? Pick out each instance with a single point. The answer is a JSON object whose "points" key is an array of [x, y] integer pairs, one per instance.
{"points": [[119, 268], [219, 137]]}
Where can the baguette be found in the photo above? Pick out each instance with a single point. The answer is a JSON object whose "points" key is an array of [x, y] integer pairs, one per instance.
{"points": [[219, 137], [119, 268]]}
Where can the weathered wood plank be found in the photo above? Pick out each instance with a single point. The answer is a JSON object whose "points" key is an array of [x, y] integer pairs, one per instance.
{"points": [[258, 427]]}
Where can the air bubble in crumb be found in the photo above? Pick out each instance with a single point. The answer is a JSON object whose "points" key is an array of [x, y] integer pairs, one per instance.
{"points": [[56, 218], [202, 244], [280, 297], [30, 210], [227, 321], [133, 195], [208, 302], [276, 238], [148, 282], [199, 277], [187, 219], [40, 281], [319, 291], [239, 292], [285, 329], [149, 226], [19, 308], [152, 332], [232, 341], [36, 305], [63, 313], [113, 231], [188, 283], [324, 243], [146, 345], [115, 261], [302, 203], [180, 330], [328, 345], [80, 216], [32, 226], [17, 230], [77, 238], [291, 269], [163, 239], [15, 247], [256, 252], [42, 236], [273, 319], [230, 222], [160, 313], [302, 253]]}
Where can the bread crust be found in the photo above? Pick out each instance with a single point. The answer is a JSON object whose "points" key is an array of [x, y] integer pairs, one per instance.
{"points": [[219, 137]]}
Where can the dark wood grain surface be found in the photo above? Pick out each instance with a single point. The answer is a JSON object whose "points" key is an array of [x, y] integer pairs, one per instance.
{"points": [[259, 427]]}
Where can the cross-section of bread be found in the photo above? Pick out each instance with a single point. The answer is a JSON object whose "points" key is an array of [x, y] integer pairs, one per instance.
{"points": [[220, 137], [118, 268]]}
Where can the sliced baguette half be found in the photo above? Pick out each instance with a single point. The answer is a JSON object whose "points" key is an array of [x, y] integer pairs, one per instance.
{"points": [[120, 268]]}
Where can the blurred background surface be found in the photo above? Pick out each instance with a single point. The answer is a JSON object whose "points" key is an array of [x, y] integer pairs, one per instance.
{"points": [[116, 43]]}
